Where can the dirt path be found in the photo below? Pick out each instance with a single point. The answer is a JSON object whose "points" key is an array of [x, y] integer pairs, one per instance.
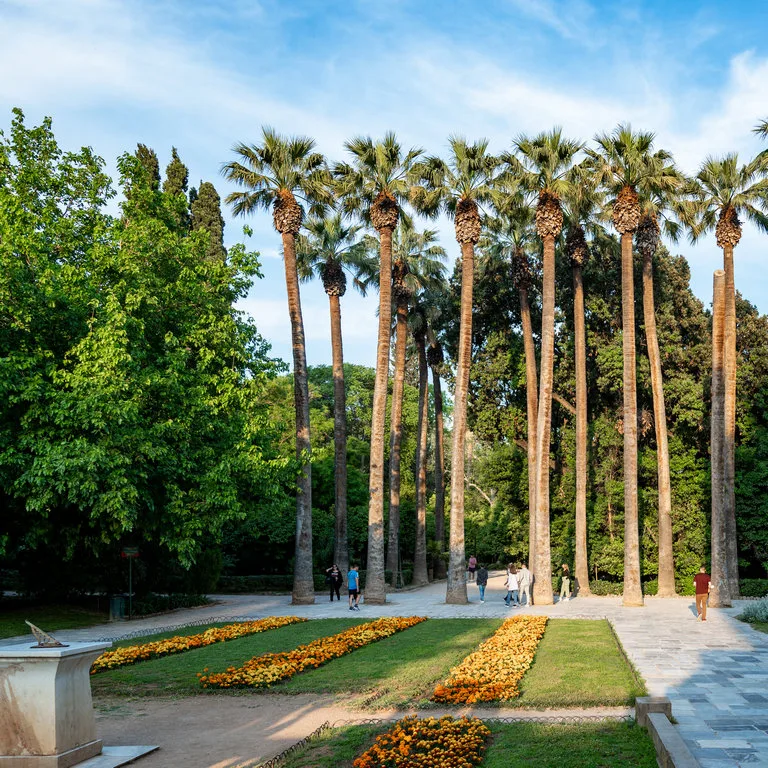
{"points": [[225, 731]]}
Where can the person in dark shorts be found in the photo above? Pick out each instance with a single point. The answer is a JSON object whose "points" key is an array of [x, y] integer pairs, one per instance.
{"points": [[472, 567], [334, 579], [353, 586], [701, 581]]}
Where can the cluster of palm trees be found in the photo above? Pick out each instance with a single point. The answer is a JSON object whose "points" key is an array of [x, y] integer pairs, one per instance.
{"points": [[547, 191]]}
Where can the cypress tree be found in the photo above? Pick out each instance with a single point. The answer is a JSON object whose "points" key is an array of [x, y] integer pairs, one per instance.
{"points": [[176, 176], [206, 214], [149, 160]]}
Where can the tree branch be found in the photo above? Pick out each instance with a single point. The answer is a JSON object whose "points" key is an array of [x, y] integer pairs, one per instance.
{"points": [[564, 403], [480, 491]]}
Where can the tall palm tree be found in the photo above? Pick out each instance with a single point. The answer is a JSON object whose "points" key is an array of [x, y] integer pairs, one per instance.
{"points": [[542, 164], [435, 358], [417, 264], [279, 172], [459, 187], [722, 191], [584, 205], [373, 187], [627, 167], [719, 596], [510, 237], [328, 248], [647, 239]]}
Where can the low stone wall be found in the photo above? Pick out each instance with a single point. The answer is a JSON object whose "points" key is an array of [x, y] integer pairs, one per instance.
{"points": [[654, 713]]}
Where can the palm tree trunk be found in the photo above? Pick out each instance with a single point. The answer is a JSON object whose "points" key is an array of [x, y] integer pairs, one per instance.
{"points": [[719, 596], [633, 593], [440, 572], [542, 584], [375, 587], [395, 440], [420, 575], [456, 590], [666, 557], [581, 567], [303, 582], [531, 394], [340, 547], [729, 441]]}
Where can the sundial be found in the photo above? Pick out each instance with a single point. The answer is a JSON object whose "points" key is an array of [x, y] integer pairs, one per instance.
{"points": [[44, 640]]}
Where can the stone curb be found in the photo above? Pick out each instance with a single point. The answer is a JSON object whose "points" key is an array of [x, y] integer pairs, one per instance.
{"points": [[653, 713]]}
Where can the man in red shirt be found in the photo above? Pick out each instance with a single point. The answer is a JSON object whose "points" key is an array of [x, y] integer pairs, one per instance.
{"points": [[701, 582]]}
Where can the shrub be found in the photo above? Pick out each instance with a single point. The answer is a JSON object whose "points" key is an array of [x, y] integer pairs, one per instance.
{"points": [[753, 587], [153, 603], [756, 611], [603, 587]]}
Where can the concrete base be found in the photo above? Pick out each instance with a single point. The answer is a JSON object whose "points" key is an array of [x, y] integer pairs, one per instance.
{"points": [[653, 713], [62, 760], [113, 757]]}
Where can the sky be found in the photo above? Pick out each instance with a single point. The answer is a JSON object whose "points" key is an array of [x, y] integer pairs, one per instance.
{"points": [[204, 75]]}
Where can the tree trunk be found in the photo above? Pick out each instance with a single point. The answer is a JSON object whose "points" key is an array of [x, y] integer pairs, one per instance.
{"points": [[719, 596], [303, 582], [666, 557], [340, 546], [581, 568], [440, 571], [375, 587], [456, 591], [395, 441], [633, 592], [542, 583], [729, 440], [531, 394], [420, 576]]}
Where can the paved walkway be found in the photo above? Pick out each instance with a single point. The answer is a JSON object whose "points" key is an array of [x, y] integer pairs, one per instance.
{"points": [[715, 673]]}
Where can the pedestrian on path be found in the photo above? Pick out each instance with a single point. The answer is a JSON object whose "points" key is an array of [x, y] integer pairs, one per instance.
{"points": [[353, 586], [482, 581], [472, 567], [565, 583], [701, 581], [513, 586], [334, 579], [524, 582]]}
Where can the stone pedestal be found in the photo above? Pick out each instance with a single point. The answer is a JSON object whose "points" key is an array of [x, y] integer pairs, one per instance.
{"points": [[46, 710]]}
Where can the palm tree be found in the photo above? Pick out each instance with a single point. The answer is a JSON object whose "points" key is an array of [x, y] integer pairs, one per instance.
{"points": [[373, 187], [647, 241], [719, 596], [459, 187], [435, 359], [510, 237], [626, 166], [721, 191], [278, 172], [417, 264], [584, 204], [542, 164], [329, 248]]}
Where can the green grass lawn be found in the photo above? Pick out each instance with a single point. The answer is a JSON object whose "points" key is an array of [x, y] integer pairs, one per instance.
{"points": [[760, 626], [401, 670], [578, 664], [177, 675], [512, 745], [48, 617]]}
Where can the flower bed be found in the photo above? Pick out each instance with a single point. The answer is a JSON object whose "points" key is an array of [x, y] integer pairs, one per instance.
{"points": [[493, 671], [119, 657], [429, 742], [263, 671]]}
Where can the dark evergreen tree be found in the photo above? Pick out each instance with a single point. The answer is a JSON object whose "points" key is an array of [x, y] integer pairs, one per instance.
{"points": [[206, 214], [176, 177], [149, 160]]}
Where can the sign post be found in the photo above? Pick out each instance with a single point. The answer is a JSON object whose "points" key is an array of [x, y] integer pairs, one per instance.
{"points": [[130, 553]]}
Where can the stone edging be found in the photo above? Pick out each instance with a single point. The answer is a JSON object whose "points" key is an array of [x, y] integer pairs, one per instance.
{"points": [[653, 713]]}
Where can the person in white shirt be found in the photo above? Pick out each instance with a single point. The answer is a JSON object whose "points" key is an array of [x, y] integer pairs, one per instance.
{"points": [[513, 586], [524, 581]]}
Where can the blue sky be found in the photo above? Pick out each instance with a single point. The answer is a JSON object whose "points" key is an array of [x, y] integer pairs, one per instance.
{"points": [[202, 75]]}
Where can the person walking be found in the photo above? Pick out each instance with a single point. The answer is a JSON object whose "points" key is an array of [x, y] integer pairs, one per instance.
{"points": [[565, 583], [334, 579], [702, 583], [513, 587], [472, 567], [353, 586], [524, 582], [482, 581]]}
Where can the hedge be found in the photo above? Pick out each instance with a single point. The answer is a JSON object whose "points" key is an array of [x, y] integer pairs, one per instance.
{"points": [[283, 582]]}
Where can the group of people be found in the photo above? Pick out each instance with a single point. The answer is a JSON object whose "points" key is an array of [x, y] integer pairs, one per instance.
{"points": [[518, 582], [334, 578]]}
